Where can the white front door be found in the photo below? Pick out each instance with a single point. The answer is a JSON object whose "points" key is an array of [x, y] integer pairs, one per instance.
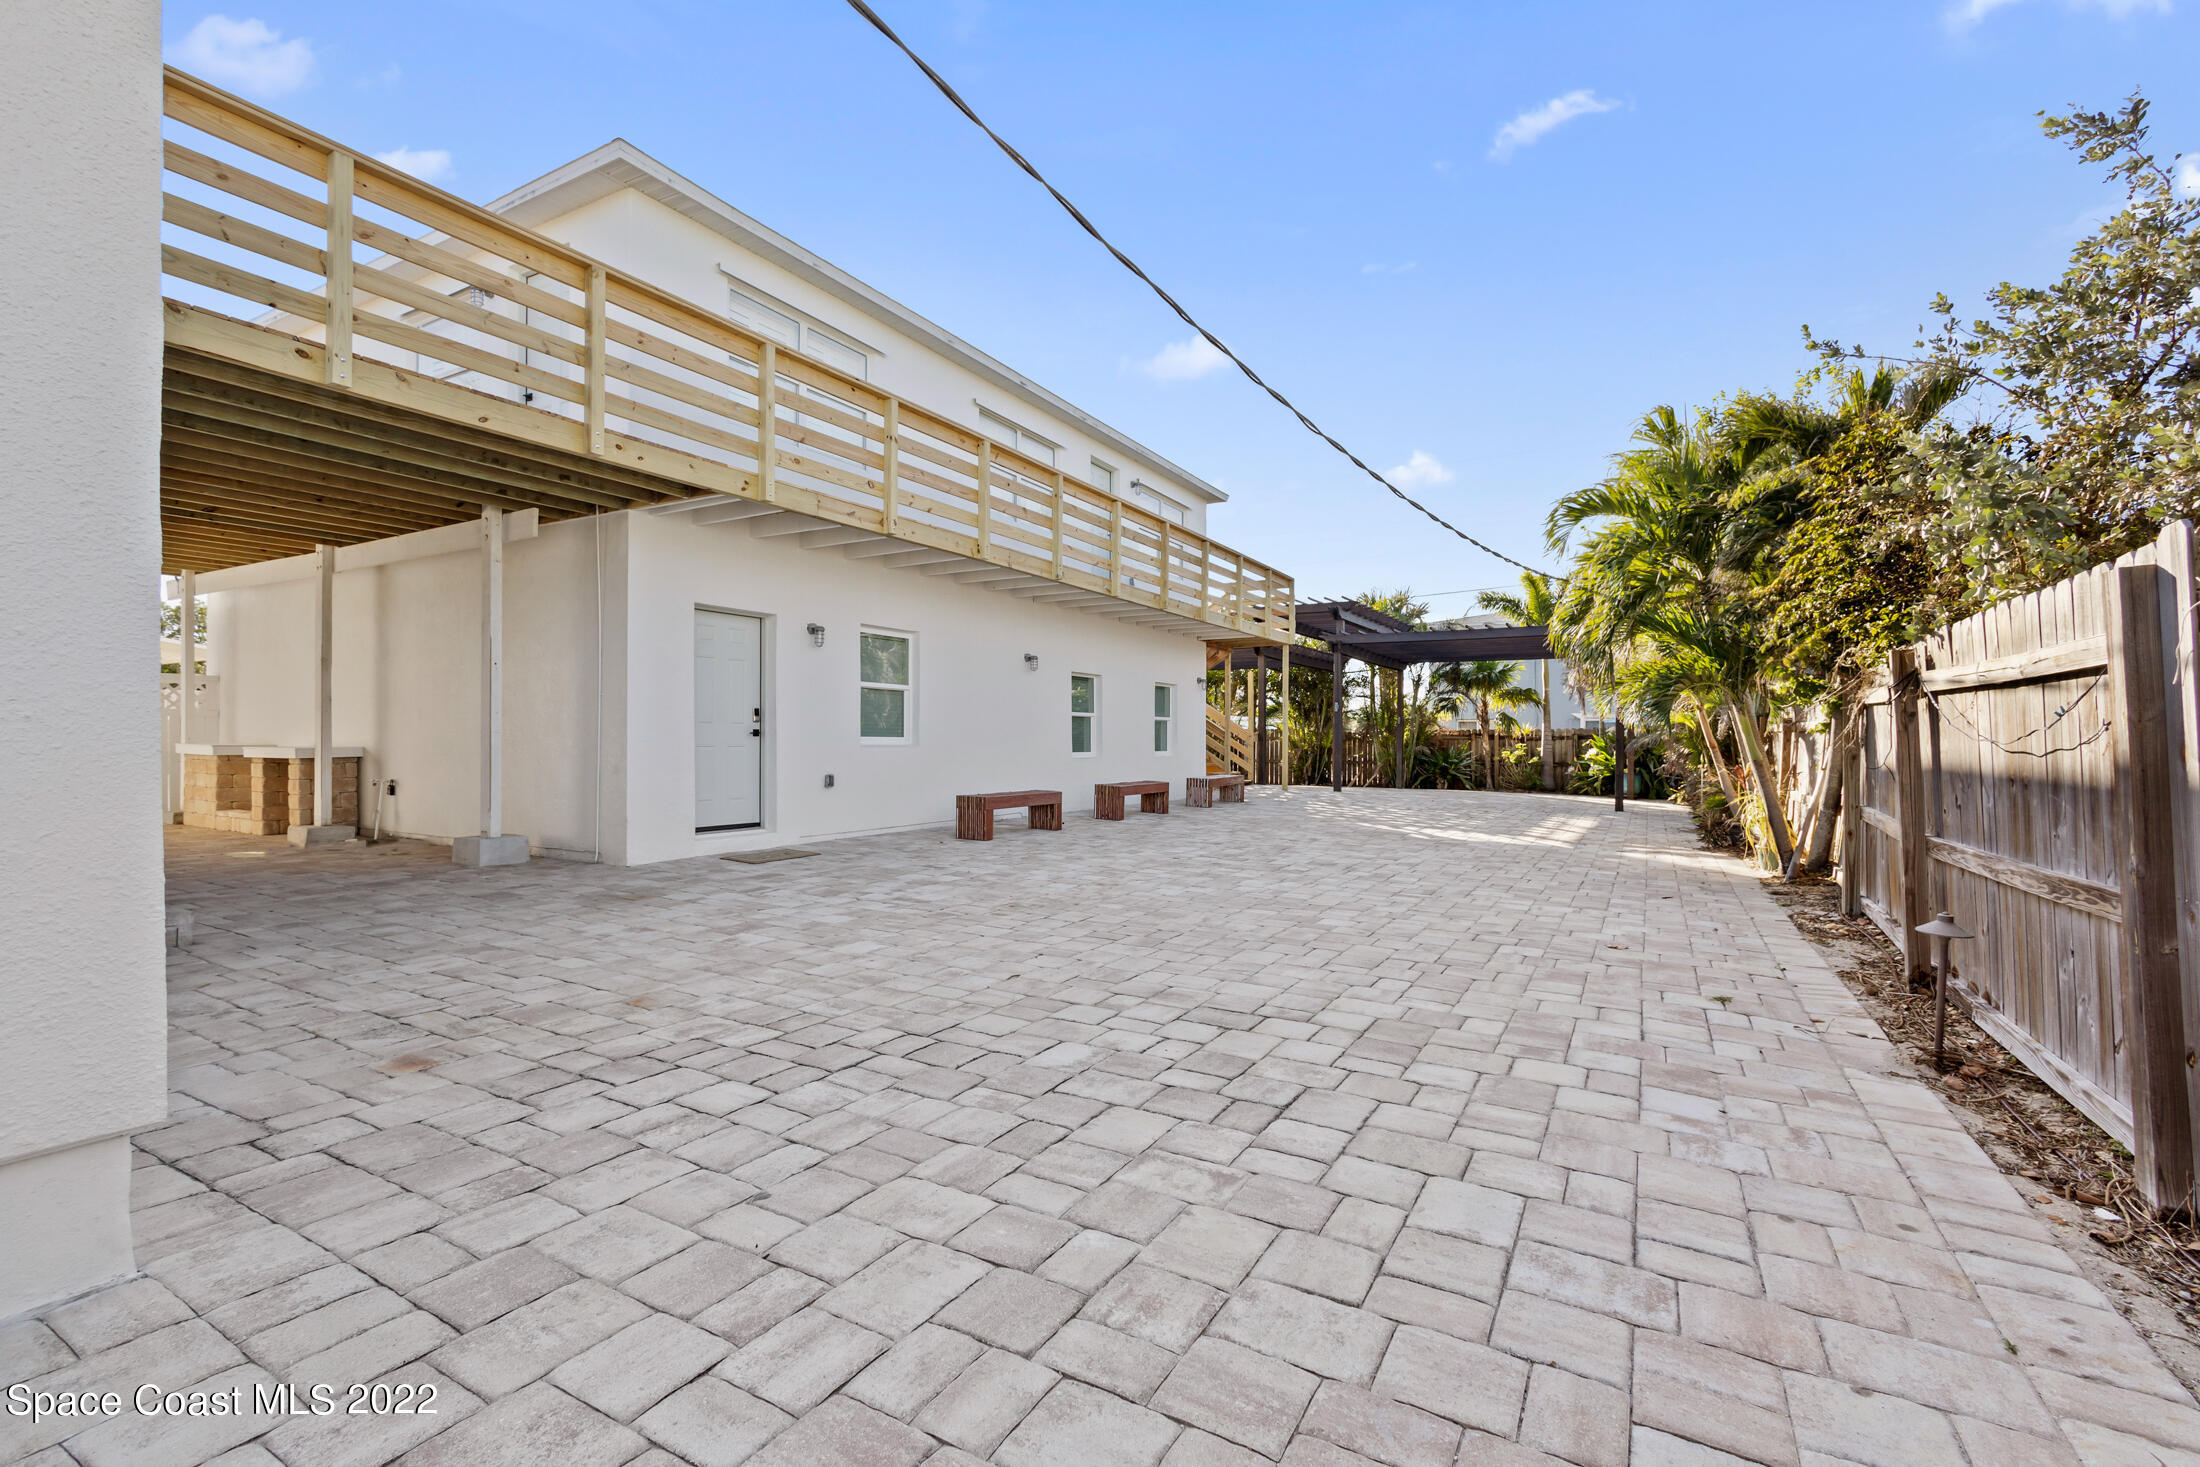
{"points": [[729, 720]]}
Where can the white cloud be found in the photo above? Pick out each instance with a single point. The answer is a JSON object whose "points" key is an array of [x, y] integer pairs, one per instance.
{"points": [[429, 165], [2188, 175], [1441, 165], [1963, 14], [246, 56], [1421, 471], [1182, 361], [1531, 125]]}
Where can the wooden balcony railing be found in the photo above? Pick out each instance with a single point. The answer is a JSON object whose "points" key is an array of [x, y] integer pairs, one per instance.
{"points": [[450, 305]]}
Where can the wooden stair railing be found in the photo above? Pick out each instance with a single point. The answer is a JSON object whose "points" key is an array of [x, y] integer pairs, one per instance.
{"points": [[1229, 744]]}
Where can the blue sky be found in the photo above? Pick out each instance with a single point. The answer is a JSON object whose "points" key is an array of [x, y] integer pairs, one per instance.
{"points": [[1477, 241]]}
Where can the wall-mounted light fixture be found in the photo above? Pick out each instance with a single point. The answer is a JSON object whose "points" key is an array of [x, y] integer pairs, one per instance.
{"points": [[1031, 662], [817, 634]]}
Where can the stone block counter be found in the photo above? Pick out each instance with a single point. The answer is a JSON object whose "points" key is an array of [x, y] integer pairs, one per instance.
{"points": [[259, 789]]}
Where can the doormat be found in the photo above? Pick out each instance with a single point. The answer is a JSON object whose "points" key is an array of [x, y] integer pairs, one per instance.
{"points": [[759, 858]]}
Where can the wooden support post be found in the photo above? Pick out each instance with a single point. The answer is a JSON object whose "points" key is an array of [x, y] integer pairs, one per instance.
{"points": [[492, 672], [1852, 819], [1336, 716], [1115, 547], [324, 701], [1543, 725], [1619, 763], [2154, 1020], [1284, 699], [1061, 498], [1259, 720], [594, 389], [1398, 764], [1161, 558], [188, 627], [1914, 871], [890, 475], [985, 499], [336, 359], [767, 423]]}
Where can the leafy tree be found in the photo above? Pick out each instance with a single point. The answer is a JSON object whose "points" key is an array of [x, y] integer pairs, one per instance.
{"points": [[2089, 388]]}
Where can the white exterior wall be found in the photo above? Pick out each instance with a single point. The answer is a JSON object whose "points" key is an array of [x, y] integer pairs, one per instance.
{"points": [[83, 1046], [646, 239], [982, 721], [407, 687], [406, 681]]}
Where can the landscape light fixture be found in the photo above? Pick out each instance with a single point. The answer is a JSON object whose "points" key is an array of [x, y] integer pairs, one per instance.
{"points": [[1942, 930], [817, 634]]}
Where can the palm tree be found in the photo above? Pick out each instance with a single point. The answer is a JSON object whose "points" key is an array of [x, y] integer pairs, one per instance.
{"points": [[1534, 606], [1484, 685], [1663, 567]]}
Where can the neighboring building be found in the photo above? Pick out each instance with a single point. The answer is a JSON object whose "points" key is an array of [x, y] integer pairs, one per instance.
{"points": [[1566, 710], [783, 661]]}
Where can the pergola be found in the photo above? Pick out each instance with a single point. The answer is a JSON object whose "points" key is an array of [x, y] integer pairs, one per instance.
{"points": [[1353, 630]]}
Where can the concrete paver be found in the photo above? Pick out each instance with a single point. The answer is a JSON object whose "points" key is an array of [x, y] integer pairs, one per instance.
{"points": [[1411, 1128]]}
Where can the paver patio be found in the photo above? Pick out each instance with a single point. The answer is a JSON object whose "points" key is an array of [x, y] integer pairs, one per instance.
{"points": [[1406, 1128]]}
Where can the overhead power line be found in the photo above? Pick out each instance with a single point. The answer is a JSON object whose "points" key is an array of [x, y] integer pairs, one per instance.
{"points": [[1168, 300]]}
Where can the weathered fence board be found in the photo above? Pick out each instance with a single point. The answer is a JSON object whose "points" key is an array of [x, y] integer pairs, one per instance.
{"points": [[2033, 770]]}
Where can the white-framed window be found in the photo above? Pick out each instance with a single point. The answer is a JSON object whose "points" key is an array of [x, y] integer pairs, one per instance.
{"points": [[750, 309], [1164, 717], [1015, 435], [834, 352], [1103, 477], [1084, 713], [1160, 504], [886, 681], [762, 319]]}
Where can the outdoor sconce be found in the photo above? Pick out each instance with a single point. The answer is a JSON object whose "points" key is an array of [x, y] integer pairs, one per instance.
{"points": [[1942, 930], [817, 634], [1031, 662]]}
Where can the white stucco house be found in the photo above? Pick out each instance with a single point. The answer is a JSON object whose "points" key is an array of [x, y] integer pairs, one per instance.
{"points": [[727, 671]]}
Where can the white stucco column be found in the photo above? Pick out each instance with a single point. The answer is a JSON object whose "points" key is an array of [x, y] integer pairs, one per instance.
{"points": [[83, 1049], [492, 847], [323, 830], [186, 728]]}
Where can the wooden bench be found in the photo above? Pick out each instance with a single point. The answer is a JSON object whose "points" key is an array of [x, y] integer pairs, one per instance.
{"points": [[1107, 799], [1201, 791], [974, 813]]}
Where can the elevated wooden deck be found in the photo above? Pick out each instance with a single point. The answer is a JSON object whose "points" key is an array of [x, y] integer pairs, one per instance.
{"points": [[425, 359]]}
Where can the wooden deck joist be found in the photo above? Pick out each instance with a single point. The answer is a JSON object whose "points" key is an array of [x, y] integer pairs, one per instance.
{"points": [[257, 466]]}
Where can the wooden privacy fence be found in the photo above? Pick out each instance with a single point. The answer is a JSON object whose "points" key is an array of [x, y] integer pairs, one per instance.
{"points": [[451, 309], [2033, 770], [1370, 759]]}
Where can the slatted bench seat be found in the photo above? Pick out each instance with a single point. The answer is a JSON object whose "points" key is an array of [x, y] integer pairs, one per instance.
{"points": [[974, 813], [1202, 790], [1107, 799]]}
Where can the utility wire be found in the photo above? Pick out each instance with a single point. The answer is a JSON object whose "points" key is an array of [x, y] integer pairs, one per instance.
{"points": [[1168, 300]]}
